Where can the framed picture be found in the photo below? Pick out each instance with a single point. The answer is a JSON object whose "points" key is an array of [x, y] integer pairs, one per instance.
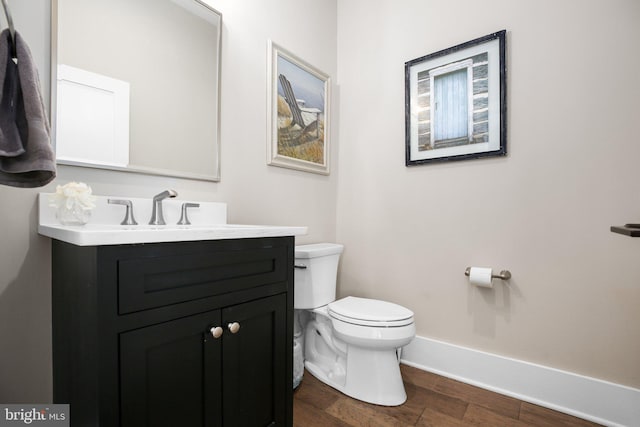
{"points": [[298, 113], [455, 102]]}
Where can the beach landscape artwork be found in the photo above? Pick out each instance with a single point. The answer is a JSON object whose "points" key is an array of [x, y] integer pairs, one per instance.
{"points": [[298, 113]]}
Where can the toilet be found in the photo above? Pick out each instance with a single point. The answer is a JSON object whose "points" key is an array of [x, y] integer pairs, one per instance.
{"points": [[350, 344]]}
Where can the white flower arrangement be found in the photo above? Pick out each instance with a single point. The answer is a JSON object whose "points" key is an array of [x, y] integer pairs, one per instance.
{"points": [[73, 202]]}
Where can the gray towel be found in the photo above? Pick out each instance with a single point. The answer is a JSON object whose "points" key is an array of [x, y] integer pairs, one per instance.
{"points": [[11, 112], [26, 155]]}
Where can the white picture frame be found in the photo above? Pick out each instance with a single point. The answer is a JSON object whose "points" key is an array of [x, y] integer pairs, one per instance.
{"points": [[298, 113]]}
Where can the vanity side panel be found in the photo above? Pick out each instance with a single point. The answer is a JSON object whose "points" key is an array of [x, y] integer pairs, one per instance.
{"points": [[74, 326], [290, 241]]}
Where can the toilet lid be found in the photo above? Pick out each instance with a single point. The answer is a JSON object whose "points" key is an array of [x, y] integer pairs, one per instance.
{"points": [[370, 312]]}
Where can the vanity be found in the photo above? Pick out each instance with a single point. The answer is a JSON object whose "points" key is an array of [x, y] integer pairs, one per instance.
{"points": [[172, 332], [159, 325]]}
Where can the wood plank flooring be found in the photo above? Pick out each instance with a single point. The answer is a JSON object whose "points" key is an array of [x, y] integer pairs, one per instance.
{"points": [[432, 401]]}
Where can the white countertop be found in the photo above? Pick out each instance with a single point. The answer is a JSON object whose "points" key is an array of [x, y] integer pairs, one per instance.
{"points": [[209, 223]]}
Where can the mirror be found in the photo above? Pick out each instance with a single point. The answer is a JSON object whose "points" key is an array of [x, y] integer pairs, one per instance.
{"points": [[135, 86]]}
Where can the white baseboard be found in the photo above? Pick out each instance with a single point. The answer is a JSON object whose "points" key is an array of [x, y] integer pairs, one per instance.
{"points": [[595, 400]]}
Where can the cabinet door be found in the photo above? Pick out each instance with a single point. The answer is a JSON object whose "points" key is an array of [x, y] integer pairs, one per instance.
{"points": [[254, 363], [170, 374]]}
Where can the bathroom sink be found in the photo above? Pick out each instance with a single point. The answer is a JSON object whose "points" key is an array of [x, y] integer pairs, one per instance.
{"points": [[209, 223]]}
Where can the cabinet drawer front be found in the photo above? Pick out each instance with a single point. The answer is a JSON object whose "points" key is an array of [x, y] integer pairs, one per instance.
{"points": [[145, 283]]}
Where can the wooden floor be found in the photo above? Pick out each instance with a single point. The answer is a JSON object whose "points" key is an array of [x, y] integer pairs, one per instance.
{"points": [[432, 400]]}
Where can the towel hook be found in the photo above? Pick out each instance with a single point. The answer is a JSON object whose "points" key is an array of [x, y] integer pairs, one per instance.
{"points": [[12, 30]]}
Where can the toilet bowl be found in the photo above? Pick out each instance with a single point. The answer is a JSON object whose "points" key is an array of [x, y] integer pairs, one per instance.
{"points": [[350, 344]]}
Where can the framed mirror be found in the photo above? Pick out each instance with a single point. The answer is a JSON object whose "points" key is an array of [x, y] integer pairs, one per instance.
{"points": [[136, 86]]}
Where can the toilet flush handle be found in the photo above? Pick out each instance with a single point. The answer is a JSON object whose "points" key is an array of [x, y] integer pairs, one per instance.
{"points": [[300, 266]]}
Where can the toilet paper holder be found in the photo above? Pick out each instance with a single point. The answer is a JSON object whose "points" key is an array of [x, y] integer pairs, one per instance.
{"points": [[504, 274]]}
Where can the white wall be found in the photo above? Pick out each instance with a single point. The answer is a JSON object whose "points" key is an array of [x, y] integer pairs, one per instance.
{"points": [[543, 212], [256, 193]]}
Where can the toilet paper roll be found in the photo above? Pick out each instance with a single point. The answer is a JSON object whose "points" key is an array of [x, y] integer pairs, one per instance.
{"points": [[481, 277]]}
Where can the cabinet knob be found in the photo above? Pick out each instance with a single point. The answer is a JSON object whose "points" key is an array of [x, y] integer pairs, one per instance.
{"points": [[216, 331], [234, 327]]}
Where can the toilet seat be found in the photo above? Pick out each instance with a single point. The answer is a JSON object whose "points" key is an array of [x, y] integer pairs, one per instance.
{"points": [[370, 312]]}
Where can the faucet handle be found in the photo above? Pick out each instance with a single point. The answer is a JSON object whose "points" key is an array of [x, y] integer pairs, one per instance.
{"points": [[184, 219], [128, 216]]}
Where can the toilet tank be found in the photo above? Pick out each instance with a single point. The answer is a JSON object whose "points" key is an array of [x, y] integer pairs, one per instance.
{"points": [[315, 274]]}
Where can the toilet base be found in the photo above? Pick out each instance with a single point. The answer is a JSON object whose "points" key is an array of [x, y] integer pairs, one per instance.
{"points": [[371, 376]]}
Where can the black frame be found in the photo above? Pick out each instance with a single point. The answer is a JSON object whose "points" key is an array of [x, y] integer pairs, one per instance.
{"points": [[501, 150]]}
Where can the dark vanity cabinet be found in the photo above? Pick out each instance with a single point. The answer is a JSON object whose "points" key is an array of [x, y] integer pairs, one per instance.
{"points": [[174, 334]]}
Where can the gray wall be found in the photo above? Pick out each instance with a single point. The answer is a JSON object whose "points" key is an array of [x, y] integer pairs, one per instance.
{"points": [[25, 289], [255, 193], [543, 212]]}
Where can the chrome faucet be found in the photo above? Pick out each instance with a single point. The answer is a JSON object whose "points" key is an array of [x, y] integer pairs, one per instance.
{"points": [[156, 215]]}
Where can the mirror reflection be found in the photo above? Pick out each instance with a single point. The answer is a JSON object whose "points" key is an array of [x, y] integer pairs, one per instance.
{"points": [[137, 86]]}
